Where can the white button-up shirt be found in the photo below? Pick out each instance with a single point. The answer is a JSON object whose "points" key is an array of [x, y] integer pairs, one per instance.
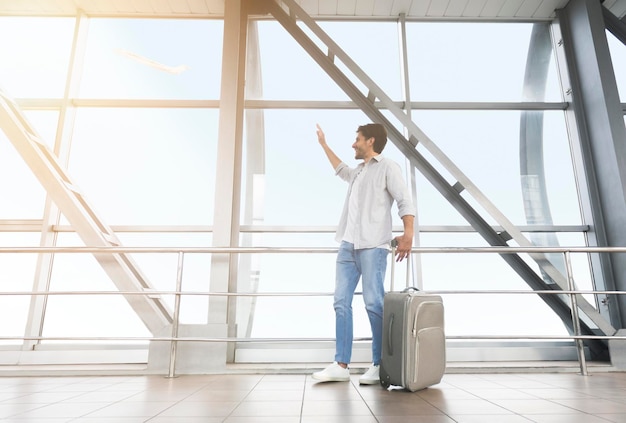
{"points": [[380, 185]]}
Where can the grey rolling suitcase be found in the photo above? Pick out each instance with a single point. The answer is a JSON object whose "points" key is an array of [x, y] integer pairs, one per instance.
{"points": [[413, 350]]}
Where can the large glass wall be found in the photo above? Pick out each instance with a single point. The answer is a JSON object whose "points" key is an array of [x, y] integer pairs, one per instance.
{"points": [[144, 153], [449, 63]]}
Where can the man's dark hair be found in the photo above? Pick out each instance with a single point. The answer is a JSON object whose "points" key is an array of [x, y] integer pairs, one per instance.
{"points": [[376, 131]]}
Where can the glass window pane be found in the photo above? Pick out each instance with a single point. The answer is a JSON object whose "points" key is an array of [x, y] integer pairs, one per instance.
{"points": [[111, 315], [34, 55], [373, 46], [618, 58], [470, 62], [17, 275], [23, 194], [485, 145], [161, 269], [87, 315], [288, 72], [474, 313], [147, 166], [153, 59]]}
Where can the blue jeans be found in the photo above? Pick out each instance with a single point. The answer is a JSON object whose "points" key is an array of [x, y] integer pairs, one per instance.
{"points": [[369, 265]]}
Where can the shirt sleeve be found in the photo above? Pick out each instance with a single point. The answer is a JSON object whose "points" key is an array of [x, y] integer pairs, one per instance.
{"points": [[344, 171], [399, 191]]}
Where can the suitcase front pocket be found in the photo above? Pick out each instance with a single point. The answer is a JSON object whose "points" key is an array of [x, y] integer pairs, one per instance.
{"points": [[430, 358], [428, 345]]}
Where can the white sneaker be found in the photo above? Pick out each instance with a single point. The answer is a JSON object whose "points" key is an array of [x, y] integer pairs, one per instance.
{"points": [[332, 373], [371, 376]]}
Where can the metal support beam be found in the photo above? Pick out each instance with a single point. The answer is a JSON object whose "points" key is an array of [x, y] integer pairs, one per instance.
{"points": [[601, 151], [615, 26], [224, 267], [250, 266], [415, 264]]}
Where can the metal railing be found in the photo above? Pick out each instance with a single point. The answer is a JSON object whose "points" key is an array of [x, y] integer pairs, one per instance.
{"points": [[577, 337]]}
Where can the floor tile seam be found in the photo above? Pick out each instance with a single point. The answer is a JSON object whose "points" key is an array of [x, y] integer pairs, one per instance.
{"points": [[175, 402], [439, 409], [535, 396], [466, 391], [118, 401], [580, 412], [53, 389], [465, 388], [105, 404], [585, 390], [84, 380], [505, 386], [623, 391], [304, 390], [239, 402], [614, 400], [596, 398], [363, 400], [20, 396], [599, 416], [159, 413], [32, 409], [560, 385], [230, 414], [577, 391], [602, 397], [304, 381], [553, 401], [126, 397], [491, 401], [10, 388]]}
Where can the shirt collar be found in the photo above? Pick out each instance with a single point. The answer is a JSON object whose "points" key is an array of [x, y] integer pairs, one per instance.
{"points": [[378, 158]]}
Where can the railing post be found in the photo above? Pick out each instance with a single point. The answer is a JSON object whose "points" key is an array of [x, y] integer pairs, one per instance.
{"points": [[174, 342], [575, 319]]}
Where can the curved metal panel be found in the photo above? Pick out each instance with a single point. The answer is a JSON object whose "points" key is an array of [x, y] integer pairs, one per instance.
{"points": [[532, 166]]}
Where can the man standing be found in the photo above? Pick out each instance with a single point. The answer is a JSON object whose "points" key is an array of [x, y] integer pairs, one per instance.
{"points": [[365, 234]]}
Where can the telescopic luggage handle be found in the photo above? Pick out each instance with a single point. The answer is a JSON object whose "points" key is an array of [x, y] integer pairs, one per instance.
{"points": [[394, 244]]}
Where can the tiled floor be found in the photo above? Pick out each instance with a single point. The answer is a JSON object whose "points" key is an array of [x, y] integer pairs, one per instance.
{"points": [[467, 398]]}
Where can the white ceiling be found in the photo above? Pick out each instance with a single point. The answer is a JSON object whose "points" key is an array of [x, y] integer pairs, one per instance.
{"points": [[413, 9]]}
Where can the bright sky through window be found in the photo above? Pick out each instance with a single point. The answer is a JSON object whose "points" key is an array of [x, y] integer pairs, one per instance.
{"points": [[156, 165]]}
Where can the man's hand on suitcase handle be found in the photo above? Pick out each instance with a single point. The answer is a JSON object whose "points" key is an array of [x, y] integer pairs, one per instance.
{"points": [[403, 245]]}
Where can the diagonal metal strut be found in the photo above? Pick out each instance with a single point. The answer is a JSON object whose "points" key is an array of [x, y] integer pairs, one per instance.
{"points": [[122, 270]]}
